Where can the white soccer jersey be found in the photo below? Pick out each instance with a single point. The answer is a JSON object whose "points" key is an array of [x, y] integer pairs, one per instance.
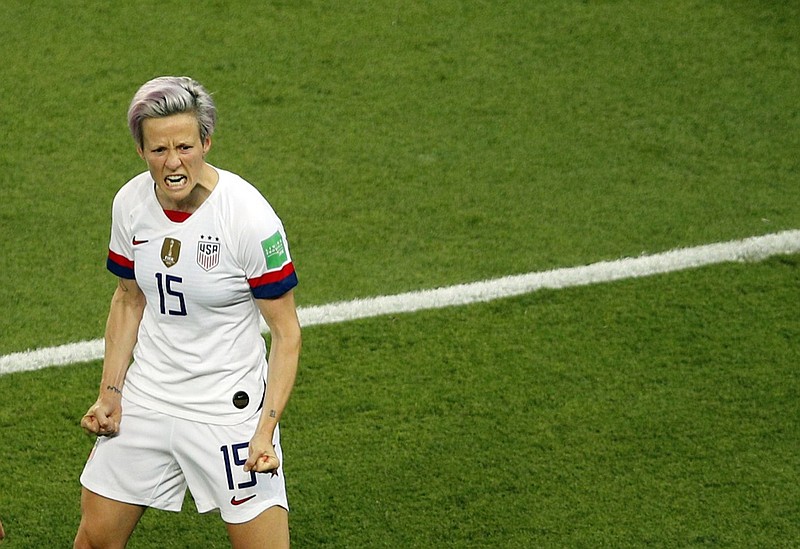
{"points": [[200, 354]]}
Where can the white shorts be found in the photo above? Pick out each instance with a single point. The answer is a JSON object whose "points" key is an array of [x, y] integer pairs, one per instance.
{"points": [[155, 457]]}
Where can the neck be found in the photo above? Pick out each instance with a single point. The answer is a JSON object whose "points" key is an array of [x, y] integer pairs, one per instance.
{"points": [[199, 193], [189, 204]]}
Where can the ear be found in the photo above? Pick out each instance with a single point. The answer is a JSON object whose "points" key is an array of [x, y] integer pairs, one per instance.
{"points": [[206, 145], [140, 152]]}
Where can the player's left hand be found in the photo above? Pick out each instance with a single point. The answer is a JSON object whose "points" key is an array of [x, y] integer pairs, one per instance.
{"points": [[262, 457]]}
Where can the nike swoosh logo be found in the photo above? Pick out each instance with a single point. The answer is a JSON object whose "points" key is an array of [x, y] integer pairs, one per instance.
{"points": [[137, 242], [235, 501]]}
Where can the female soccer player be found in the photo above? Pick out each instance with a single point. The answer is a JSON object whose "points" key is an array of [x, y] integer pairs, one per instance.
{"points": [[187, 397]]}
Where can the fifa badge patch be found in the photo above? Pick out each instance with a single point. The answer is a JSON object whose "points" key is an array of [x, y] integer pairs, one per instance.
{"points": [[274, 251], [208, 252], [170, 251]]}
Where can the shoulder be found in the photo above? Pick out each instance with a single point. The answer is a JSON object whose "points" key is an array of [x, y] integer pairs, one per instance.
{"points": [[135, 190], [239, 187], [243, 196]]}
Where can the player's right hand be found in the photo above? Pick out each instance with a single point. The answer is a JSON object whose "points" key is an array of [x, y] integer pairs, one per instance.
{"points": [[102, 419]]}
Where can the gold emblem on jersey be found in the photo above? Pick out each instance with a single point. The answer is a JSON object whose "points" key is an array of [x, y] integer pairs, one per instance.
{"points": [[170, 251]]}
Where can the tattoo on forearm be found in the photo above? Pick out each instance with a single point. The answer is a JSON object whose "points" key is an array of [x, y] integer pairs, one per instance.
{"points": [[273, 413], [114, 389]]}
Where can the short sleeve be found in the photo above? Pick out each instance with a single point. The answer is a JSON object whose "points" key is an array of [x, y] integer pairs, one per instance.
{"points": [[265, 254], [120, 248]]}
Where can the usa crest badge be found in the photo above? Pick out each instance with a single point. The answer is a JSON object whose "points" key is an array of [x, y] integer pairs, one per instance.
{"points": [[208, 252], [170, 251]]}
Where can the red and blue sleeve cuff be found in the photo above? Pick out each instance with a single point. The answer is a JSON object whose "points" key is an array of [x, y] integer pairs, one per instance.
{"points": [[120, 266], [275, 284]]}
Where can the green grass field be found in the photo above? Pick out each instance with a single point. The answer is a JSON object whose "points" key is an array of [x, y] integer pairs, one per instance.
{"points": [[411, 145]]}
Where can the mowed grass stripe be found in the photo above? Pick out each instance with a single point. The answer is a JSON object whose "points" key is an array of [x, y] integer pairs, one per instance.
{"points": [[750, 249]]}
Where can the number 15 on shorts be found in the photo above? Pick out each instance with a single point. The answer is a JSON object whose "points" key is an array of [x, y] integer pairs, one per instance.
{"points": [[232, 455]]}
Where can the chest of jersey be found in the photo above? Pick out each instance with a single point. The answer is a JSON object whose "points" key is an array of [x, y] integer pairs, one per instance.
{"points": [[185, 268]]}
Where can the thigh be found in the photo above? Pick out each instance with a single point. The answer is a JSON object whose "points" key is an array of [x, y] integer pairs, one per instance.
{"points": [[137, 466], [212, 459], [105, 522], [269, 530]]}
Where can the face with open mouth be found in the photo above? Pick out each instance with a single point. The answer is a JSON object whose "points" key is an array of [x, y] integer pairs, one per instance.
{"points": [[175, 157]]}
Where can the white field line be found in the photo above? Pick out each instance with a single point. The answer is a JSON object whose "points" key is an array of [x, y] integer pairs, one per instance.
{"points": [[750, 249]]}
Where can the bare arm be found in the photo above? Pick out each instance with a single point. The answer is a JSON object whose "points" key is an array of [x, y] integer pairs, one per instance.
{"points": [[284, 355], [122, 328]]}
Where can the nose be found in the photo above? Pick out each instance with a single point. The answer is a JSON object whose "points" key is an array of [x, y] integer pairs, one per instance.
{"points": [[173, 161]]}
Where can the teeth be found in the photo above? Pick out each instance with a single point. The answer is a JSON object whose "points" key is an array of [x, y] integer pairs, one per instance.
{"points": [[173, 180]]}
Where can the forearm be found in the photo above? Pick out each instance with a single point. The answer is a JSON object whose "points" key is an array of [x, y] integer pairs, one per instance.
{"points": [[121, 334], [122, 327], [284, 355], [283, 362]]}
